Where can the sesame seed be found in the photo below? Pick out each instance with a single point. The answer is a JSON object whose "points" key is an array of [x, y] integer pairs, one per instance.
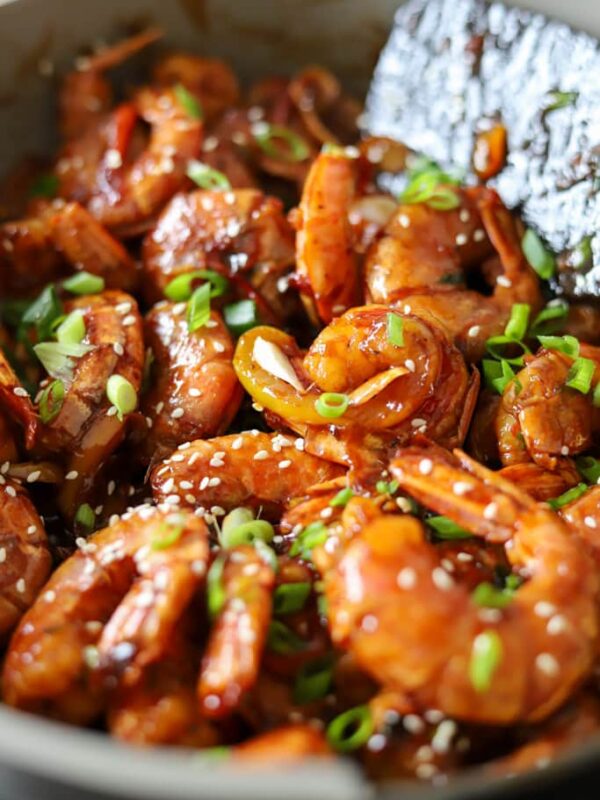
{"points": [[216, 462], [118, 348], [424, 753], [49, 596], [490, 511], [173, 499], [20, 586], [190, 498], [479, 235], [417, 422], [177, 413], [464, 557], [299, 444], [404, 504], [474, 330], [113, 159], [219, 347], [547, 664], [11, 491], [237, 443], [123, 308], [261, 455], [212, 701], [447, 564], [31, 530], [218, 511], [194, 392], [502, 280], [369, 623], [404, 220], [461, 487], [20, 392], [443, 736], [461, 239], [285, 463], [564, 450], [214, 481], [434, 716], [376, 742], [590, 522], [464, 215], [114, 518], [413, 724], [5, 467], [426, 466], [326, 513], [544, 609], [178, 458], [2, 555], [557, 624], [441, 579], [204, 483], [425, 771], [168, 485], [112, 411], [184, 485], [111, 487], [410, 365], [33, 476], [407, 578]]}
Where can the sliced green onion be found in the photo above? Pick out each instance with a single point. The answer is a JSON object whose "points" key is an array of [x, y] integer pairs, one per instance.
{"points": [[121, 394], [342, 498], [181, 287], [291, 597], [395, 330], [198, 308], [313, 681], [313, 535], [427, 187], [43, 311], [267, 554], [558, 100], [332, 405], [387, 487], [51, 401], [350, 730], [497, 347], [486, 656], [282, 640], [215, 590], [582, 255], [444, 199], [546, 321], [247, 533], [45, 186], [568, 345], [241, 316], [516, 327], [447, 529], [489, 596], [569, 496], [541, 259], [84, 283], [589, 468], [596, 395], [497, 374], [57, 358], [188, 101], [85, 518], [207, 178], [170, 532], [235, 518], [581, 374], [267, 135], [72, 329]]}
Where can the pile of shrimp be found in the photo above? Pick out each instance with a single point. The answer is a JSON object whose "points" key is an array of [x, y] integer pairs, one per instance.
{"points": [[290, 467]]}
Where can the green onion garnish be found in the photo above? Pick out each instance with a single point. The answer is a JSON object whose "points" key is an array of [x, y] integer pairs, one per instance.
{"points": [[486, 655], [497, 347], [596, 395], [215, 590], [447, 529], [569, 496], [395, 330], [56, 357], [51, 401], [549, 318], [516, 327], [387, 487], [170, 533], [290, 597], [489, 596], [207, 178], [84, 283], [497, 374], [72, 329], [181, 288], [198, 308], [313, 681], [247, 533], [581, 374], [542, 260], [332, 405], [42, 312], [443, 199], [568, 345], [589, 468], [558, 100], [85, 518], [582, 255], [313, 535], [121, 394], [45, 186], [350, 730], [342, 498], [267, 136], [241, 316], [282, 640], [189, 102], [267, 554]]}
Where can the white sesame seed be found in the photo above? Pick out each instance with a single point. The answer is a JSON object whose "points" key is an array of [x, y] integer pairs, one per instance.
{"points": [[404, 220], [404, 504], [216, 462], [20, 392], [299, 444], [5, 467], [168, 485], [173, 499], [212, 701], [544, 609], [461, 239], [464, 215], [441, 579], [464, 557], [447, 564], [426, 466], [71, 475], [2, 555], [547, 664], [326, 513], [33, 476], [204, 483], [557, 625], [413, 724], [118, 348], [123, 308], [190, 498], [417, 422], [110, 488], [49, 596], [177, 413], [443, 736], [424, 753], [178, 458], [237, 443], [410, 365], [285, 463], [407, 578], [434, 716], [502, 280], [490, 511], [479, 235], [194, 392], [184, 485], [219, 347], [474, 330], [564, 450], [214, 481], [369, 623], [590, 522], [11, 491], [261, 455], [20, 586], [113, 159], [461, 487]]}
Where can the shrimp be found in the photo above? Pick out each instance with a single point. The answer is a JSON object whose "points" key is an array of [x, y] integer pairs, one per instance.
{"points": [[583, 517], [326, 264], [86, 429], [106, 613], [62, 238], [193, 373], [543, 642], [399, 271], [540, 419], [389, 387], [233, 653], [123, 188], [230, 231], [25, 556], [258, 470], [16, 402]]}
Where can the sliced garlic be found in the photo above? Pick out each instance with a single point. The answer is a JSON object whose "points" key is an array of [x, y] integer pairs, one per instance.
{"points": [[369, 389], [274, 361]]}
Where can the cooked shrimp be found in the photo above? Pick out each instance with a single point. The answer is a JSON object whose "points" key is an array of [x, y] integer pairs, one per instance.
{"points": [[544, 640], [123, 188], [540, 419], [389, 387], [107, 612], [328, 115], [583, 517], [258, 470], [326, 263], [542, 484], [15, 400], [286, 744], [231, 231], [192, 373], [87, 427], [63, 237], [233, 653], [25, 557]]}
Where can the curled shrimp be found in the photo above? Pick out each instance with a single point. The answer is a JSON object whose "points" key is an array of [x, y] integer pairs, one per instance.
{"points": [[16, 402], [258, 470], [545, 638], [389, 387], [62, 237], [540, 419], [191, 371], [231, 231], [234, 649], [87, 428], [106, 613], [26, 560]]}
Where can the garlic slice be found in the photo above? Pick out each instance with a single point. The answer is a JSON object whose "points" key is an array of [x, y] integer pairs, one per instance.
{"points": [[369, 389], [274, 361]]}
